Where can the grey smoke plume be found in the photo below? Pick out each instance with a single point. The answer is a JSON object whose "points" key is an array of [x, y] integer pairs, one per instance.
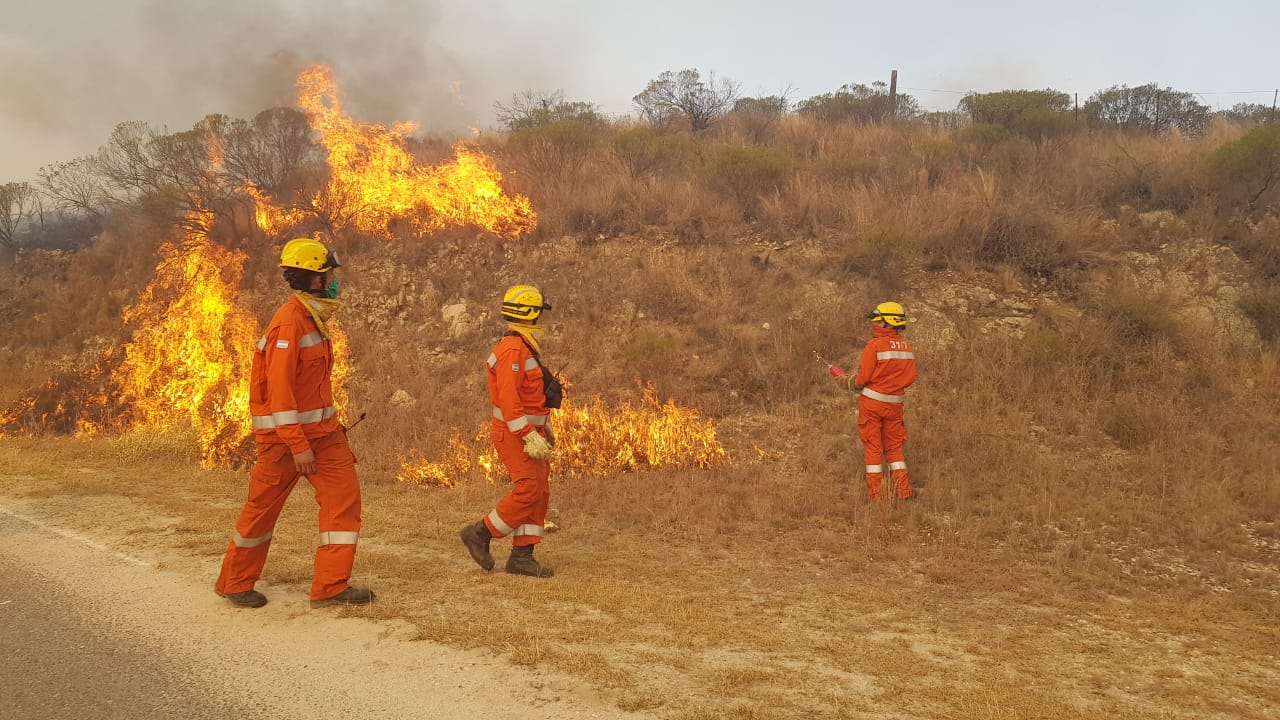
{"points": [[70, 70]]}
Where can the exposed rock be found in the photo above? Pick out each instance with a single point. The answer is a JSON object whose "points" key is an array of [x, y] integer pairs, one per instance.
{"points": [[456, 317], [400, 398]]}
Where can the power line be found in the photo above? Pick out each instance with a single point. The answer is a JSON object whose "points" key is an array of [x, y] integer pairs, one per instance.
{"points": [[957, 92], [1193, 92]]}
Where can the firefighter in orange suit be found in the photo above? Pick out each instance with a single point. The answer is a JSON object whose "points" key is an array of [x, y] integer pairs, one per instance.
{"points": [[886, 369], [522, 394], [297, 433]]}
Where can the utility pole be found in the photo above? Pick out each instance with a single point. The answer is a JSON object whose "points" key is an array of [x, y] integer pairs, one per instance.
{"points": [[893, 92], [1076, 114], [1273, 105]]}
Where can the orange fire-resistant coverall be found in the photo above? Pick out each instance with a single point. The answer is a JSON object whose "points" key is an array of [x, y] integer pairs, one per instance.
{"points": [[519, 408], [291, 399], [885, 371]]}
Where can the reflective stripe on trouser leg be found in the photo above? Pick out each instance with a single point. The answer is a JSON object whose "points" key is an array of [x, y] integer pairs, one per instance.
{"points": [[869, 430], [497, 527], [895, 436], [244, 542], [874, 483], [270, 481], [338, 495], [530, 494], [901, 482]]}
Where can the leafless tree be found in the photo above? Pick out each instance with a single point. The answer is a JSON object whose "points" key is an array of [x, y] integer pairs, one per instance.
{"points": [[125, 162], [169, 176], [536, 108], [17, 203], [76, 185], [685, 95], [269, 149]]}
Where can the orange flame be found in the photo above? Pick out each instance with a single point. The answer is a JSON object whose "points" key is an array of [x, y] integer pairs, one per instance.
{"points": [[374, 181], [273, 220], [189, 358], [460, 461], [597, 440]]}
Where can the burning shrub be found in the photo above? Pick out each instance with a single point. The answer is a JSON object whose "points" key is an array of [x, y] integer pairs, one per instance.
{"points": [[374, 181], [596, 440], [461, 461]]}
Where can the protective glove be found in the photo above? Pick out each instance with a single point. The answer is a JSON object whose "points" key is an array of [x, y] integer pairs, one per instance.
{"points": [[536, 446]]}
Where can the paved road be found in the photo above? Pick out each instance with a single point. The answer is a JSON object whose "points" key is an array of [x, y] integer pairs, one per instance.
{"points": [[58, 664], [89, 631]]}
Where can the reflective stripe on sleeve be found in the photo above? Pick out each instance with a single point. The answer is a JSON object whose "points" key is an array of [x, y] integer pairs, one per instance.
{"points": [[530, 364], [310, 339], [262, 343], [292, 417], [496, 520], [492, 361], [519, 423], [527, 529], [882, 397], [339, 537], [244, 542], [895, 355], [513, 425]]}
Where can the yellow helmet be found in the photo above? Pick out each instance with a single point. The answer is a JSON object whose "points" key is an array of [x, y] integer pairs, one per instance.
{"points": [[307, 254], [523, 302], [890, 312]]}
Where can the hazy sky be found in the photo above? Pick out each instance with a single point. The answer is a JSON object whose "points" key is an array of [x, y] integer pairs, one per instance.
{"points": [[71, 69]]}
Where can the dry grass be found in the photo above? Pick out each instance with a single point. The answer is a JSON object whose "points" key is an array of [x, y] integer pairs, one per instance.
{"points": [[760, 591], [1097, 537]]}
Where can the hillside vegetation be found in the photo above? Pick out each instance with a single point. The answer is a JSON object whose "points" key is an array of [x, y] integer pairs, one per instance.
{"points": [[1095, 315]]}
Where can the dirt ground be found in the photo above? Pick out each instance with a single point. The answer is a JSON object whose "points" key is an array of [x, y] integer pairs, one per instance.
{"points": [[790, 623]]}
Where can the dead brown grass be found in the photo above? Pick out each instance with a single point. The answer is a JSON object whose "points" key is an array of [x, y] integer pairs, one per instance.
{"points": [[1097, 534], [760, 589]]}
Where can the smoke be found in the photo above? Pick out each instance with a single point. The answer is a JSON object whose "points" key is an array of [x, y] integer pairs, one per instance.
{"points": [[70, 70]]}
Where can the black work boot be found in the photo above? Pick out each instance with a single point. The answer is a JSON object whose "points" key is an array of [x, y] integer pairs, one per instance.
{"points": [[350, 596], [476, 537], [246, 599], [521, 562]]}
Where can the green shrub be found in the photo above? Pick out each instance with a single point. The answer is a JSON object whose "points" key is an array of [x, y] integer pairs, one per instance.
{"points": [[745, 173], [642, 153], [1247, 171], [555, 153], [1033, 114], [982, 136], [882, 254]]}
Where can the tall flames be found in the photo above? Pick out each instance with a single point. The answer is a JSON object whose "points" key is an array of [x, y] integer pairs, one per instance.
{"points": [[375, 182], [597, 439], [188, 362]]}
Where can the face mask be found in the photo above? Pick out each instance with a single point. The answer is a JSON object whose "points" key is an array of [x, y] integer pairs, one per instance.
{"points": [[332, 290]]}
